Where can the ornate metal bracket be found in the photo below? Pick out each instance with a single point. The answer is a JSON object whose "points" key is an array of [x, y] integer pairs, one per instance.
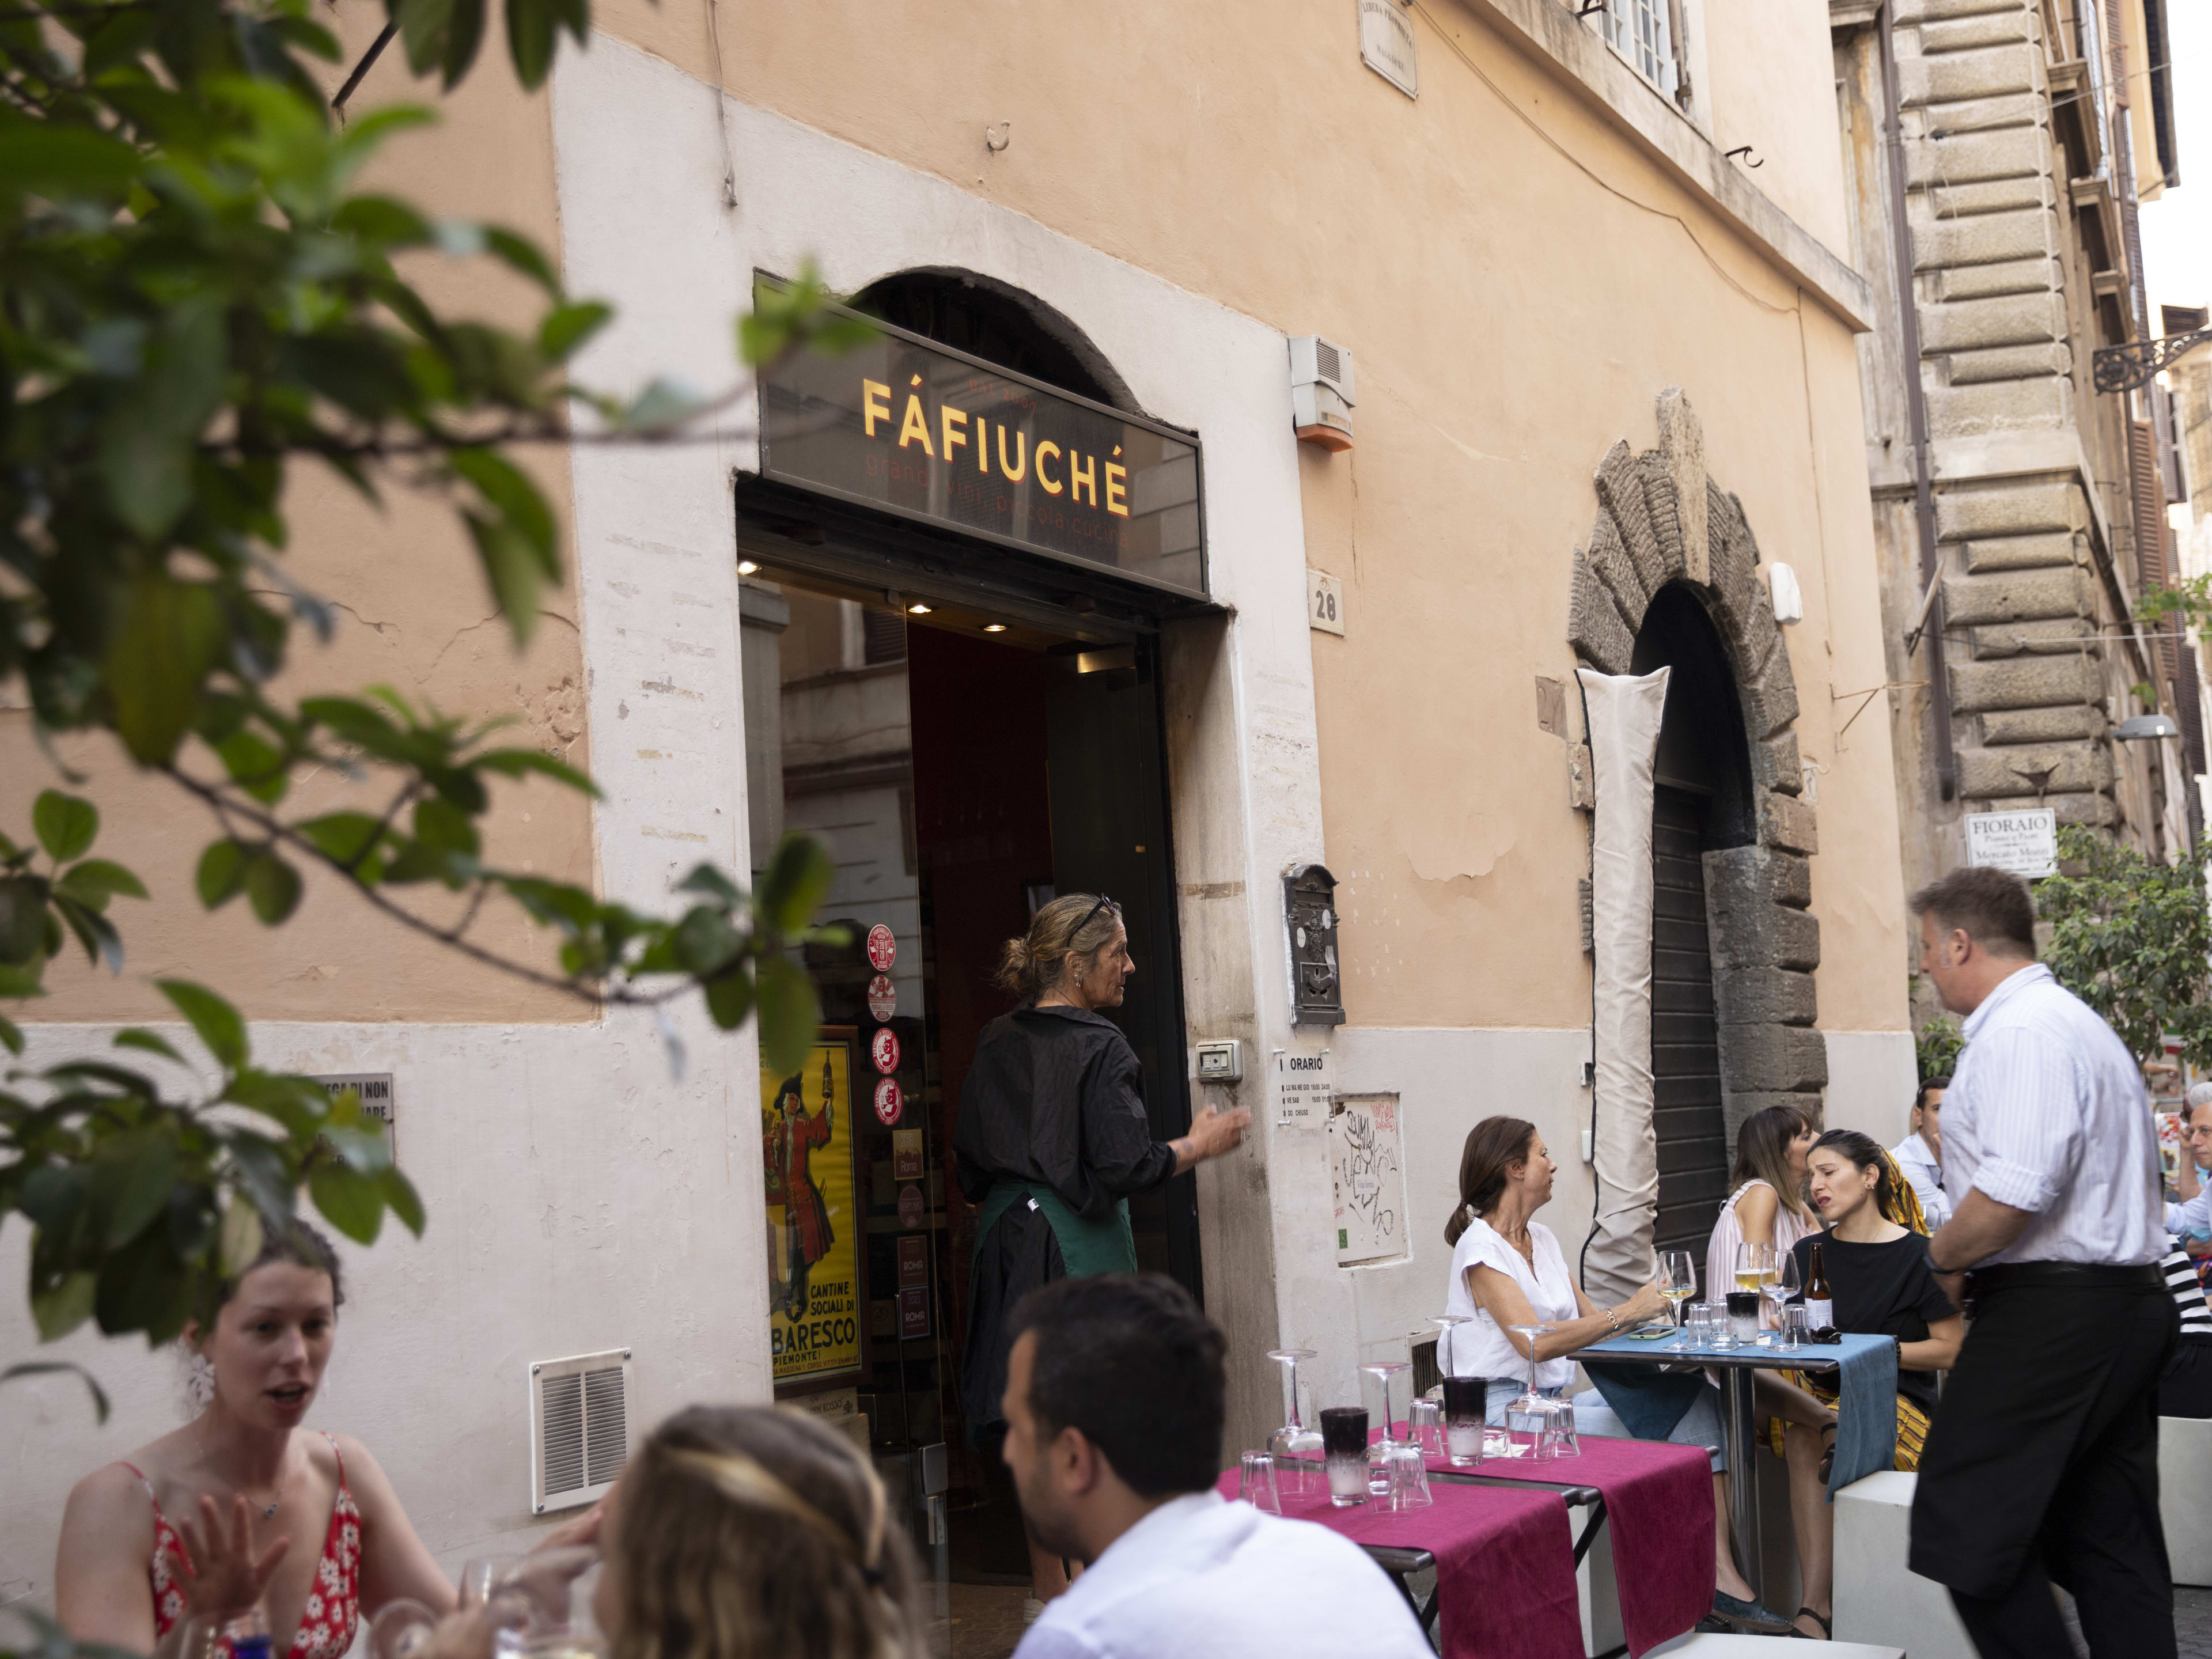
{"points": [[2124, 367]]}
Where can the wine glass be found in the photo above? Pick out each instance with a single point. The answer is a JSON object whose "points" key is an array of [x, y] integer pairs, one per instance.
{"points": [[1295, 1449], [1752, 1263], [1446, 1325], [1678, 1284], [1528, 1333], [1385, 1372], [401, 1629], [1779, 1287]]}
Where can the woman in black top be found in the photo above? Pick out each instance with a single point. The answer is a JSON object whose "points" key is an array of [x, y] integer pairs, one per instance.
{"points": [[1053, 1139], [1877, 1268]]}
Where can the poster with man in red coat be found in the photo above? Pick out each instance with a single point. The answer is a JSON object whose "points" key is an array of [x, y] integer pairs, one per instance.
{"points": [[806, 1144]]}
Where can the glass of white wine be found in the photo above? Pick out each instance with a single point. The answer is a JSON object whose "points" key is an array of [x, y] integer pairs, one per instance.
{"points": [[1678, 1283], [1753, 1263]]}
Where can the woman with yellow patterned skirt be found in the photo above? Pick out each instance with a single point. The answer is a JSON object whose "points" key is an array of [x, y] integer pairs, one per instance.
{"points": [[1874, 1257]]}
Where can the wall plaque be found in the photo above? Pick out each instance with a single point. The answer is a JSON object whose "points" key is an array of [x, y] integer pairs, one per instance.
{"points": [[2025, 841], [1309, 910], [913, 428]]}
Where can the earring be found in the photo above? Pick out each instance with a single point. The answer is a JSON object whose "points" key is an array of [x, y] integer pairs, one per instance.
{"points": [[199, 1382]]}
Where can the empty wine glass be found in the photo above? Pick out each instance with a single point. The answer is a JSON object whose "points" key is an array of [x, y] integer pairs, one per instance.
{"points": [[1528, 1333], [1447, 1326], [1778, 1287], [1678, 1283], [1295, 1449], [1385, 1372]]}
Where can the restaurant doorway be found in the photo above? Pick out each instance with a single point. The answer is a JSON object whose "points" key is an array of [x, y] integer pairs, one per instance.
{"points": [[963, 767]]}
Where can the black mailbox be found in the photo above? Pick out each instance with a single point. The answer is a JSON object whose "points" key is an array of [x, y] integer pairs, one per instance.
{"points": [[1310, 906]]}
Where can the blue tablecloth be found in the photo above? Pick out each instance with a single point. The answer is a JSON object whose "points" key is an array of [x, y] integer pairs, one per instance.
{"points": [[1866, 1409]]}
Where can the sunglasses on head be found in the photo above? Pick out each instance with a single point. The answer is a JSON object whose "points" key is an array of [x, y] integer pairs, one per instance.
{"points": [[1104, 903]]}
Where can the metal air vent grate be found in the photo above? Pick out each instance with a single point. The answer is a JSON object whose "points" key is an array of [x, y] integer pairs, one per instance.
{"points": [[579, 1427], [1325, 361]]}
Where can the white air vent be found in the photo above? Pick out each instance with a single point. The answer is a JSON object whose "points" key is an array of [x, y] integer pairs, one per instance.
{"points": [[579, 1428]]}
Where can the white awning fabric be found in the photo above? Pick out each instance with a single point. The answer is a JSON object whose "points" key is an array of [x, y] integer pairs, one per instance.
{"points": [[1623, 713]]}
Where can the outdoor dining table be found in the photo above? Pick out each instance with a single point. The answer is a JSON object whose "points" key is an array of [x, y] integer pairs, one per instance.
{"points": [[1739, 1431], [1504, 1562]]}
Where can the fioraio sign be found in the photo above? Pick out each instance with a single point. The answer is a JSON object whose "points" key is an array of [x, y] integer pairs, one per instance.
{"points": [[912, 428], [2025, 841]]}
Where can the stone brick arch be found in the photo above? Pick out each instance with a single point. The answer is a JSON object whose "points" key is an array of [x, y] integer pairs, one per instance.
{"points": [[1660, 521]]}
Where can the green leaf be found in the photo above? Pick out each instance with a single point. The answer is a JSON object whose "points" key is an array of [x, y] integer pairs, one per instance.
{"points": [[512, 568], [400, 1196], [272, 886], [215, 1021], [255, 765], [729, 998], [65, 824], [241, 1236], [567, 327], [94, 931], [131, 1175], [444, 828], [171, 635], [349, 1200], [137, 1036], [790, 1014], [49, 159], [221, 874], [143, 1287], [797, 881], [96, 880], [22, 919], [705, 942], [60, 1310], [41, 1367], [705, 879], [520, 762], [11, 1035], [146, 452]]}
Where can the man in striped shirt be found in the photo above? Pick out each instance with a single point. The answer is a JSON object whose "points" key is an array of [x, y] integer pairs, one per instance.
{"points": [[2042, 1463]]}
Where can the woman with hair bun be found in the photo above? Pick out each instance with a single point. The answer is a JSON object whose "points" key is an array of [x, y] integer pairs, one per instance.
{"points": [[1053, 1140], [1877, 1263]]}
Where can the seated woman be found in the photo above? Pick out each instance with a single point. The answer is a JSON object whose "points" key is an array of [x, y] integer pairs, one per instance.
{"points": [[738, 1531], [242, 1506], [1877, 1267], [1507, 1270]]}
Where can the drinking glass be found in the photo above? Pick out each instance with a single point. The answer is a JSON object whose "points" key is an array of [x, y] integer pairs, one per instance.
{"points": [[1344, 1445], [482, 1574], [1425, 1421], [1781, 1284], [528, 1600], [1529, 1431], [1563, 1427], [1385, 1373], [1446, 1325], [1528, 1333], [1409, 1478], [1466, 1402], [1743, 1317], [1752, 1263], [1796, 1325], [1719, 1334], [401, 1629], [1295, 1449], [1678, 1283], [1256, 1485]]}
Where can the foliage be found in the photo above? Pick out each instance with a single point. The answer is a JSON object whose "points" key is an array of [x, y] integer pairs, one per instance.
{"points": [[2132, 938], [2191, 601], [195, 301], [1937, 1045]]}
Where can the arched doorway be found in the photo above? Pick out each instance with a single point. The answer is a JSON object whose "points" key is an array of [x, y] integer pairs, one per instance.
{"points": [[1702, 802]]}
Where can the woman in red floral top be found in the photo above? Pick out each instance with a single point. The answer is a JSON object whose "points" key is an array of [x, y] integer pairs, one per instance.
{"points": [[243, 1505]]}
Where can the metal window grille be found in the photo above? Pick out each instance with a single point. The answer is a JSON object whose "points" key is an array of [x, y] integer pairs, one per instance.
{"points": [[1638, 31]]}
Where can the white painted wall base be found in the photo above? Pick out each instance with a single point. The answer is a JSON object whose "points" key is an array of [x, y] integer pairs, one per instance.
{"points": [[1878, 1598], [2185, 1499]]}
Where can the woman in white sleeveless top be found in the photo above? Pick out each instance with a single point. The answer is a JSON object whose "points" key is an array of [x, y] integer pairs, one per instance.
{"points": [[1766, 1202]]}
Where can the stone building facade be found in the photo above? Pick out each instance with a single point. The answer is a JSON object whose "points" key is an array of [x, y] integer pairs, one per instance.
{"points": [[1996, 151]]}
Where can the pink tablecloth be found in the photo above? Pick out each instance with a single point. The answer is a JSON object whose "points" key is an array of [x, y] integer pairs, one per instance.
{"points": [[1659, 1504], [1505, 1567]]}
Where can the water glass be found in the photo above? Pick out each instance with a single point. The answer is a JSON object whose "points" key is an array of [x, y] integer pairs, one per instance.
{"points": [[1743, 1317], [1256, 1485], [1344, 1443], [1796, 1325], [1409, 1478], [1427, 1418], [401, 1629], [1526, 1421], [1562, 1428], [1466, 1401], [1719, 1332]]}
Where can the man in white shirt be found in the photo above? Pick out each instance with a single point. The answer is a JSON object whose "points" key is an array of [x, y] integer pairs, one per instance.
{"points": [[1920, 1154], [2191, 1218], [2042, 1462], [1114, 1402]]}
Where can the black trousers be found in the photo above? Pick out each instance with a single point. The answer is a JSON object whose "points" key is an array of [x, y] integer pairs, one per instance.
{"points": [[2186, 1390], [2042, 1466]]}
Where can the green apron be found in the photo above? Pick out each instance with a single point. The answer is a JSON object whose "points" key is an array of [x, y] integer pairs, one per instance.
{"points": [[1086, 1247]]}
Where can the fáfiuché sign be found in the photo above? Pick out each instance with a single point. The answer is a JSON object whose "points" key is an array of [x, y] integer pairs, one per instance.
{"points": [[910, 427]]}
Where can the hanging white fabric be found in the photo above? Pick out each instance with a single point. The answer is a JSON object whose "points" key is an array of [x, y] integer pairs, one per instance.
{"points": [[1623, 711]]}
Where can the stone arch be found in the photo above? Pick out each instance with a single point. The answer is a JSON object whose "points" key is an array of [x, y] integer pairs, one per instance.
{"points": [[998, 323], [1660, 521]]}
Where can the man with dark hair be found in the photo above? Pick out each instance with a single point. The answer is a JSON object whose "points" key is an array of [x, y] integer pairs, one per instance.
{"points": [[1920, 1155], [1114, 1402], [2042, 1462]]}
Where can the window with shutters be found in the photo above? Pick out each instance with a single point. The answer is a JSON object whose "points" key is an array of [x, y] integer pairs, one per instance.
{"points": [[884, 637], [1642, 31]]}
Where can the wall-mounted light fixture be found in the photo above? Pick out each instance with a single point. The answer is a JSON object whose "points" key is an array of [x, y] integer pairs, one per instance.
{"points": [[2136, 727]]}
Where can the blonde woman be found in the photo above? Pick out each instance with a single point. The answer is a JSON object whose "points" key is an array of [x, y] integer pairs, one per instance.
{"points": [[1052, 1140]]}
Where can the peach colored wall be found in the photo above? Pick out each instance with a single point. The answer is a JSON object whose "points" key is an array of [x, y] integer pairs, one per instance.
{"points": [[413, 612], [1512, 312], [1771, 81]]}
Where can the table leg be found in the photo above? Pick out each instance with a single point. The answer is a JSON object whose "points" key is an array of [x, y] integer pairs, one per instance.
{"points": [[1739, 1436]]}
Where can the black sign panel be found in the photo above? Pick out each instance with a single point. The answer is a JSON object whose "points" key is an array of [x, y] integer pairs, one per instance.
{"points": [[913, 428]]}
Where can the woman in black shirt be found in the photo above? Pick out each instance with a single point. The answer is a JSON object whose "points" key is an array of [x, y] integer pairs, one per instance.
{"points": [[1877, 1268]]}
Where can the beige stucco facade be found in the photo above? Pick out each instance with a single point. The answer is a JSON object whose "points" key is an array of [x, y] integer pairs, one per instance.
{"points": [[1523, 259]]}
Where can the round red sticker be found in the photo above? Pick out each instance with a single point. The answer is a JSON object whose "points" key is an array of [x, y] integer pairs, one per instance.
{"points": [[883, 1049], [914, 1209], [883, 998], [882, 948], [888, 1102]]}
